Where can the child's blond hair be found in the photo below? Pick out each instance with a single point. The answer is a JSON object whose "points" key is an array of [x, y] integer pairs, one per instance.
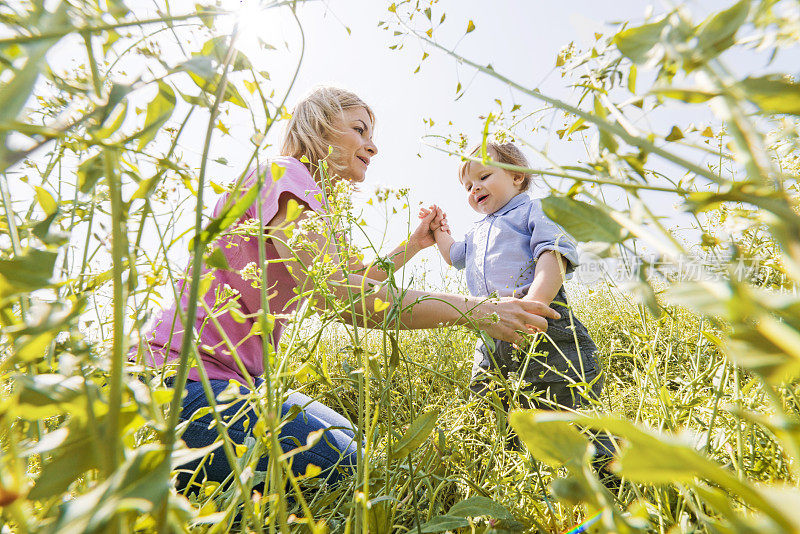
{"points": [[507, 153]]}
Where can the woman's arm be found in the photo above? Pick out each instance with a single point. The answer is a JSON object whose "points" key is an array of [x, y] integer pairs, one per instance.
{"points": [[547, 280], [502, 318]]}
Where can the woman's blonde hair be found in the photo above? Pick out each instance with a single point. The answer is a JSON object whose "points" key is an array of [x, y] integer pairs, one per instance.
{"points": [[314, 124], [502, 153]]}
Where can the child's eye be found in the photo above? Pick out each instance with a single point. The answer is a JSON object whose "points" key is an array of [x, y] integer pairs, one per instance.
{"points": [[485, 176]]}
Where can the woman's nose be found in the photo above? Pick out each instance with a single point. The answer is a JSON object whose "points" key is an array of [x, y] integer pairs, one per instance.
{"points": [[371, 148]]}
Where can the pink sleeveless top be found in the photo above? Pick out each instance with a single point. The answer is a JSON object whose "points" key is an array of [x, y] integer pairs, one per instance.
{"points": [[166, 336]]}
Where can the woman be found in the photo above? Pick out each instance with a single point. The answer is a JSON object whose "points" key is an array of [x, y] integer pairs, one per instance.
{"points": [[227, 349]]}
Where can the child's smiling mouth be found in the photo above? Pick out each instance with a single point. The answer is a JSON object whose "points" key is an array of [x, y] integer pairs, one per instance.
{"points": [[481, 199]]}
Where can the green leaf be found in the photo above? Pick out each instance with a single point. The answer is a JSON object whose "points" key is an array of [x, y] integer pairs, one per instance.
{"points": [[690, 96], [146, 187], [227, 217], [605, 138], [632, 71], [444, 523], [293, 210], [203, 72], [217, 260], [158, 112], [200, 68], [638, 43], [233, 96], [276, 171], [718, 32], [207, 14], [30, 271], [111, 37], [706, 298], [46, 201], [768, 346], [16, 91], [583, 221], [416, 435], [89, 172], [654, 458], [480, 507], [578, 124], [217, 48], [675, 134], [19, 89], [140, 485], [773, 95], [69, 462], [48, 235], [34, 347], [45, 395], [554, 442], [113, 121], [394, 358]]}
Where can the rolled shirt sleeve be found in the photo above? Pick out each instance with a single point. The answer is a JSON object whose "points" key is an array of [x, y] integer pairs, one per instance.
{"points": [[458, 254], [547, 235]]}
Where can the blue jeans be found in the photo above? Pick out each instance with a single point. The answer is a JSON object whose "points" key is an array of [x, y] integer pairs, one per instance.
{"points": [[336, 453]]}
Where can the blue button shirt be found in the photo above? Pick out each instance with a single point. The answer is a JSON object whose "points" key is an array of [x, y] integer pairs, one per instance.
{"points": [[499, 253]]}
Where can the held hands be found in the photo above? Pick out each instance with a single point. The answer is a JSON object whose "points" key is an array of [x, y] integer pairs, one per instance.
{"points": [[432, 220], [439, 221]]}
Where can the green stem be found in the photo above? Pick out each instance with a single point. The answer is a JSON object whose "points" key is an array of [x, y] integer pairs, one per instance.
{"points": [[194, 288], [574, 177], [57, 34], [602, 124]]}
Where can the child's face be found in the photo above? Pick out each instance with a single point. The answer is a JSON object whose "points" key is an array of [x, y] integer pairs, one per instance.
{"points": [[490, 188]]}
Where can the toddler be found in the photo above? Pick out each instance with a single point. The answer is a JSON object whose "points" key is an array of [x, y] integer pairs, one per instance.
{"points": [[516, 250]]}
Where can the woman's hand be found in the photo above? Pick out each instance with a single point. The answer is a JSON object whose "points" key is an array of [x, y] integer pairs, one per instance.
{"points": [[422, 237], [505, 318]]}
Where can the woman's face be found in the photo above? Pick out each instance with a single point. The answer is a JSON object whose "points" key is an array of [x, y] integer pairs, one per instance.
{"points": [[353, 147]]}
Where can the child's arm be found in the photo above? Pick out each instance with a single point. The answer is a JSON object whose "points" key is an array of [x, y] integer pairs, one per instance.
{"points": [[550, 269], [441, 232], [444, 241]]}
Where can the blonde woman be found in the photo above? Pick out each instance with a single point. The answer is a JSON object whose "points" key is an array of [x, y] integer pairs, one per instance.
{"points": [[327, 117]]}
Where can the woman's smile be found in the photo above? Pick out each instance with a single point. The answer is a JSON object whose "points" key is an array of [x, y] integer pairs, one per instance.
{"points": [[353, 144]]}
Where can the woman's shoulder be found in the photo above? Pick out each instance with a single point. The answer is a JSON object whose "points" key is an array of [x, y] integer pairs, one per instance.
{"points": [[284, 169], [279, 174]]}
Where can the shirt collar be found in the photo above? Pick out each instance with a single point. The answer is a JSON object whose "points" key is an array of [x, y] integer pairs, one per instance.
{"points": [[516, 201]]}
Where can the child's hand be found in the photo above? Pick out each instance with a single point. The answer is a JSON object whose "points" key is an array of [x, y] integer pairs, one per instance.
{"points": [[438, 228], [441, 222]]}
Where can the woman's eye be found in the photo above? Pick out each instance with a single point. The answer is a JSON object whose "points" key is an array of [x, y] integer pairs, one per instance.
{"points": [[359, 129]]}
